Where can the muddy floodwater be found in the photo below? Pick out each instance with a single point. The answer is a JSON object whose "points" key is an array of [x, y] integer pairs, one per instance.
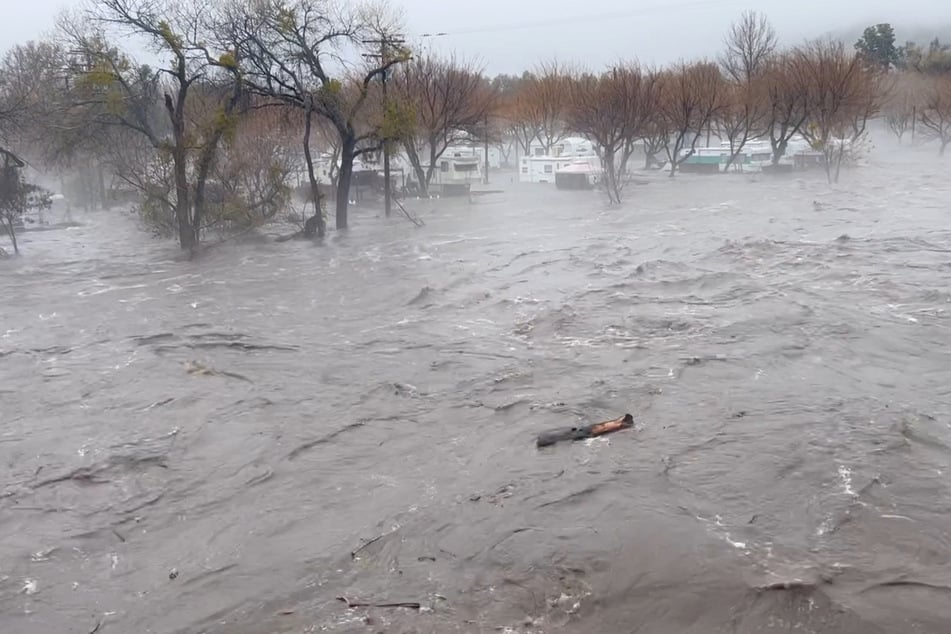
{"points": [[231, 445]]}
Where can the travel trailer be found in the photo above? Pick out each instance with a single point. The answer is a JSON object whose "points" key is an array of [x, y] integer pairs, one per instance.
{"points": [[540, 167], [579, 174]]}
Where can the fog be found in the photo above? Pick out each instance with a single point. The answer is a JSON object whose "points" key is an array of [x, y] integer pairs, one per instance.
{"points": [[508, 37]]}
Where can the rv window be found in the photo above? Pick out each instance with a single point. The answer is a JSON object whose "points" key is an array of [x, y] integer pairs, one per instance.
{"points": [[548, 169], [444, 166], [524, 170], [467, 167]]}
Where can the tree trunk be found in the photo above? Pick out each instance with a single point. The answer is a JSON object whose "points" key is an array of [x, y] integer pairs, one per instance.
{"points": [[86, 187], [628, 149], [13, 235], [736, 147], [944, 145], [176, 114], [314, 187], [421, 177], [777, 144], [103, 198], [779, 151], [434, 156], [614, 194], [206, 158], [205, 161], [347, 151], [674, 164], [186, 237]]}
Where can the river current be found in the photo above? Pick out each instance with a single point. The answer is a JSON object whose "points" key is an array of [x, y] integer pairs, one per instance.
{"points": [[240, 443]]}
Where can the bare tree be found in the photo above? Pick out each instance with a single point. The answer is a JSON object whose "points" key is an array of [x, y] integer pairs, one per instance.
{"points": [[935, 113], [788, 96], [744, 115], [253, 173], [844, 92], [612, 109], [443, 101], [691, 98], [749, 44], [901, 107], [12, 194], [112, 89], [48, 136], [289, 49], [544, 102], [16, 195], [522, 125]]}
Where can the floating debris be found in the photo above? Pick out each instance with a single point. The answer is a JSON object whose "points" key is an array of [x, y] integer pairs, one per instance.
{"points": [[359, 604], [583, 433], [199, 368]]}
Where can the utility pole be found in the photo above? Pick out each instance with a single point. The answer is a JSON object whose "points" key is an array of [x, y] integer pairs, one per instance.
{"points": [[383, 56]]}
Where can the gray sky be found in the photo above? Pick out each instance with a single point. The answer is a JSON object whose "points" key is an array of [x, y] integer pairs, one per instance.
{"points": [[512, 35]]}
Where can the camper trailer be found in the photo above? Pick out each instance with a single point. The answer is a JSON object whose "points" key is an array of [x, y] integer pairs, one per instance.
{"points": [[539, 167], [579, 174]]}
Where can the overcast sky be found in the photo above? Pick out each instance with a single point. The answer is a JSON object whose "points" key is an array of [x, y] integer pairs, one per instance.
{"points": [[511, 35]]}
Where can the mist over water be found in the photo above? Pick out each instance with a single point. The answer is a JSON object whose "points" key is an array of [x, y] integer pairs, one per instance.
{"points": [[246, 422]]}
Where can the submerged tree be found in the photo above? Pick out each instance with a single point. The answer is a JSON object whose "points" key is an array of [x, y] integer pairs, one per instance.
{"points": [[16, 195], [612, 110], [437, 103], [844, 94], [935, 113], [743, 117], [112, 89], [901, 106], [750, 45], [18, 101], [691, 97], [12, 194], [292, 51], [515, 110], [543, 102], [788, 98]]}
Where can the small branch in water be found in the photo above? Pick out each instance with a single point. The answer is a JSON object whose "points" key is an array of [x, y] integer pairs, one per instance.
{"points": [[97, 628], [360, 604], [416, 221], [353, 553], [903, 582], [795, 584]]}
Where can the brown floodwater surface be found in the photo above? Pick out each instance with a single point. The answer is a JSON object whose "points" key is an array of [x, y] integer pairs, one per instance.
{"points": [[232, 444]]}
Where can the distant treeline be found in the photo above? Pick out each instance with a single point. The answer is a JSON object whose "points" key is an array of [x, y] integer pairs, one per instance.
{"points": [[250, 95]]}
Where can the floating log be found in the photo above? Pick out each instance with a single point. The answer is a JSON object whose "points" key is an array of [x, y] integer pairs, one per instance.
{"points": [[588, 431]]}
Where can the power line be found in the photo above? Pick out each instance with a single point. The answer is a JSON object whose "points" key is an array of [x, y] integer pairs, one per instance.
{"points": [[597, 17]]}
